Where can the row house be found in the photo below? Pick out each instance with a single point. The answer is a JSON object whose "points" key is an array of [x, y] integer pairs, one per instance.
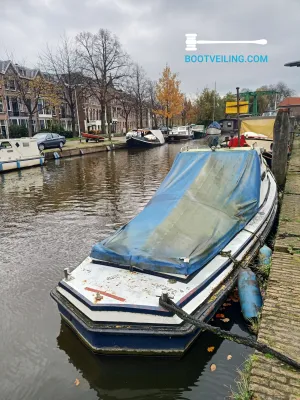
{"points": [[88, 114], [14, 112]]}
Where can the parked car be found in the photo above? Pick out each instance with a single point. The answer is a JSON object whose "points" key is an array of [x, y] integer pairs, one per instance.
{"points": [[49, 140]]}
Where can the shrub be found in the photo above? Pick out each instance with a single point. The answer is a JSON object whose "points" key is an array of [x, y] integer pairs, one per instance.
{"points": [[67, 134], [17, 131]]}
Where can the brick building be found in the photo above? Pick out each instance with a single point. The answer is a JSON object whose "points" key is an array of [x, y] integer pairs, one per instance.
{"points": [[14, 112]]}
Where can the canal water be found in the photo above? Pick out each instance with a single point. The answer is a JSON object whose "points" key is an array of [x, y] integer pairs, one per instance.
{"points": [[50, 217]]}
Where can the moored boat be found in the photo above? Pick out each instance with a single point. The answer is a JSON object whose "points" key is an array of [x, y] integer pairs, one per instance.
{"points": [[19, 153], [213, 129], [145, 138], [190, 241], [180, 133], [198, 131], [92, 136]]}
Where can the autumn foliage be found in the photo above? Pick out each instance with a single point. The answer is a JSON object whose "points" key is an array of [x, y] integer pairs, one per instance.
{"points": [[168, 94]]}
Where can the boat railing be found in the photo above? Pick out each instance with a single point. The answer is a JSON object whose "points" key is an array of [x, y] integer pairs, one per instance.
{"points": [[188, 147]]}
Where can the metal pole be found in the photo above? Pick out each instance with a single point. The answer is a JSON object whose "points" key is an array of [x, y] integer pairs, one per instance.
{"points": [[214, 101], [238, 114]]}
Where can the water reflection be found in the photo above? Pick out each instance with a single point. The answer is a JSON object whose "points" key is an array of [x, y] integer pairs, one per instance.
{"points": [[157, 378]]}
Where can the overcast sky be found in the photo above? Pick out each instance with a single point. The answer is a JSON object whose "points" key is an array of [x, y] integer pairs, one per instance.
{"points": [[153, 33]]}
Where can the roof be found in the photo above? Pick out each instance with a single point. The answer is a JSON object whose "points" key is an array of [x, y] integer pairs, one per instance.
{"points": [[21, 70], [290, 102]]}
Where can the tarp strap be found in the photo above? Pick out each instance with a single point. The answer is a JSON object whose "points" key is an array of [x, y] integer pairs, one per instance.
{"points": [[235, 262]]}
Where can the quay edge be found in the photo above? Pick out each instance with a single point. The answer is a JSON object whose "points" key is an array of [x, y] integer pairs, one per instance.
{"points": [[81, 151], [280, 323]]}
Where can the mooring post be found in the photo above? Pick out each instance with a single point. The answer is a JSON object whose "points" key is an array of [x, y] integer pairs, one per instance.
{"points": [[281, 135]]}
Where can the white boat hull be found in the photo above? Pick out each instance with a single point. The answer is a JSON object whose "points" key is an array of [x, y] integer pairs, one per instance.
{"points": [[18, 164]]}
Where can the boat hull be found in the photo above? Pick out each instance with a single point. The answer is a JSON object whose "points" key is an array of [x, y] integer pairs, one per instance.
{"points": [[199, 135], [213, 131], [174, 138], [21, 163], [140, 340], [139, 142]]}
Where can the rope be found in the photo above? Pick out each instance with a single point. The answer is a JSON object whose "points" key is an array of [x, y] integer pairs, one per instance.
{"points": [[235, 262], [168, 304]]}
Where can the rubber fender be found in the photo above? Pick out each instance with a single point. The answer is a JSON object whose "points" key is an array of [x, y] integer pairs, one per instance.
{"points": [[249, 293], [265, 255]]}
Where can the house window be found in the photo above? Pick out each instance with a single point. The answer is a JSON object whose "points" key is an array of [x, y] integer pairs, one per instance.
{"points": [[40, 106], [8, 104], [229, 124], [11, 85], [1, 104]]}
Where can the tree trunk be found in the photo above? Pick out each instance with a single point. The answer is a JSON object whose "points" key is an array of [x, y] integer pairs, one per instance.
{"points": [[126, 123], [73, 122], [155, 120], [167, 123], [103, 126], [141, 117], [30, 123], [137, 118], [109, 120], [37, 123]]}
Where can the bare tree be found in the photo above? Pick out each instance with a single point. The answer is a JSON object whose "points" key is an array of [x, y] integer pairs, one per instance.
{"points": [[140, 92], [62, 63], [103, 60], [154, 105], [126, 99]]}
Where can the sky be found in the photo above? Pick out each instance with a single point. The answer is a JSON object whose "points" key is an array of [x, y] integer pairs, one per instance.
{"points": [[153, 33]]}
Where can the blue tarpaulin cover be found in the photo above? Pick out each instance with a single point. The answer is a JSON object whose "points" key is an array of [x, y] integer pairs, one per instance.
{"points": [[204, 201], [214, 125]]}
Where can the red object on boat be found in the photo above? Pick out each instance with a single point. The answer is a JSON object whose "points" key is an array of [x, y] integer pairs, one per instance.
{"points": [[92, 136], [234, 142], [113, 296]]}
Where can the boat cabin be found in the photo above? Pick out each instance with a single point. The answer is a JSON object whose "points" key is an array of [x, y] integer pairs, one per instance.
{"points": [[19, 153]]}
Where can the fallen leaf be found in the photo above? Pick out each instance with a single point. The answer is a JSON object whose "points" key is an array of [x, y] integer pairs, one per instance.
{"points": [[77, 382], [234, 299], [213, 367], [229, 357], [220, 316], [225, 319], [226, 305], [118, 326], [210, 349]]}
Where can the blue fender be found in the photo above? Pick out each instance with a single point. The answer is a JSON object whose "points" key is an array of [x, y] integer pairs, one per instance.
{"points": [[265, 255], [249, 293]]}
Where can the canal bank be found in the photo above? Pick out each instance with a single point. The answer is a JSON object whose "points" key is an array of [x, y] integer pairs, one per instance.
{"points": [[75, 148], [280, 320]]}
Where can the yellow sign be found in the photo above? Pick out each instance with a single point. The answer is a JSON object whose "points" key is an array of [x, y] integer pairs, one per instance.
{"points": [[231, 107]]}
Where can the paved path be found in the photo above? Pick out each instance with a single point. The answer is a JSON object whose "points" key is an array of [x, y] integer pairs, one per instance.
{"points": [[280, 322]]}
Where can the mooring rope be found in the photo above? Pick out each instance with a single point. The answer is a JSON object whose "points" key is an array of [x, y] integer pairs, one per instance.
{"points": [[169, 305]]}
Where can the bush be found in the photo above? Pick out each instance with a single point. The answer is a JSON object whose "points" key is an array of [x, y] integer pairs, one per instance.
{"points": [[18, 131], [67, 134]]}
